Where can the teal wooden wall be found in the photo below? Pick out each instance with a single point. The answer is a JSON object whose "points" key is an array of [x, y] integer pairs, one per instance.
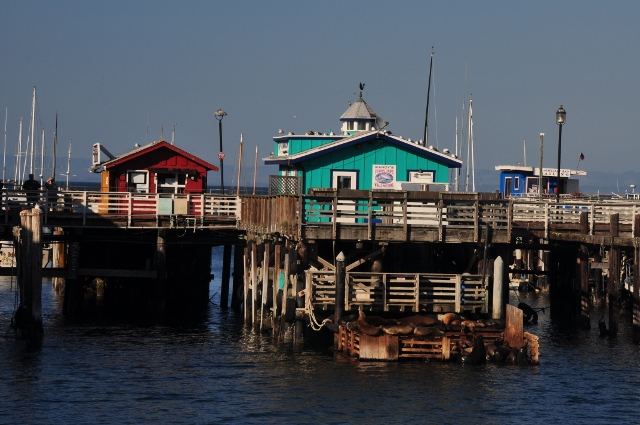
{"points": [[299, 145], [317, 170]]}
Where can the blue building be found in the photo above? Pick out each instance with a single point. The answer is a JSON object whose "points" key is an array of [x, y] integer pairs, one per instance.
{"points": [[522, 180], [364, 156]]}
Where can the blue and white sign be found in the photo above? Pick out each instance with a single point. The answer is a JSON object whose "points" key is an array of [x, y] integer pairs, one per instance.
{"points": [[384, 176]]}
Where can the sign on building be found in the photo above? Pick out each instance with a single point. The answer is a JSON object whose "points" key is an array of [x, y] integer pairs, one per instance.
{"points": [[384, 176]]}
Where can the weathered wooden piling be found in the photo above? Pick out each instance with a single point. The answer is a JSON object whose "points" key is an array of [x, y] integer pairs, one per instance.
{"points": [[583, 273], [340, 288], [497, 311], [226, 273], [238, 277], [28, 238], [161, 268], [613, 282]]}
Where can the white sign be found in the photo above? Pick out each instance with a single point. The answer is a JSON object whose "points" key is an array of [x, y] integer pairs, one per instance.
{"points": [[95, 157], [384, 176], [553, 172]]}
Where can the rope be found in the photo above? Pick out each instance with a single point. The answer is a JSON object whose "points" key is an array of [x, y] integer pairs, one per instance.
{"points": [[312, 317]]}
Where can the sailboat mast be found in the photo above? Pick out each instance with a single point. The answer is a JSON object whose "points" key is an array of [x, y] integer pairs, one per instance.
{"points": [[69, 164], [466, 183], [55, 148], [239, 165], [255, 170], [473, 161], [42, 160], [33, 131], [524, 151], [4, 158], [426, 117], [16, 171], [455, 170]]}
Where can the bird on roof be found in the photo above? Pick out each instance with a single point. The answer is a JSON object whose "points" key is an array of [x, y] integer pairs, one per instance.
{"points": [[280, 131]]}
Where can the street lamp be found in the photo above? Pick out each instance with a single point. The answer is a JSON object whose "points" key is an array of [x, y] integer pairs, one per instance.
{"points": [[561, 115], [219, 114]]}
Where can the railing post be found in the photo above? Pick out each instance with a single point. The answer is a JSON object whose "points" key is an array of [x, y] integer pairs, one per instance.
{"points": [[340, 288]]}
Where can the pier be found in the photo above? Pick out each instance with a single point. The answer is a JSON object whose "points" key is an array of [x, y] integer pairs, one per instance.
{"points": [[403, 253]]}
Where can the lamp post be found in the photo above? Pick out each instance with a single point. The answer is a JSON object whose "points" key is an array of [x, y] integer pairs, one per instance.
{"points": [[219, 114], [560, 120]]}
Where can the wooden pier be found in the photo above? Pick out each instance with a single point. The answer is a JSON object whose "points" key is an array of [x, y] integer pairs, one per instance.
{"points": [[420, 252]]}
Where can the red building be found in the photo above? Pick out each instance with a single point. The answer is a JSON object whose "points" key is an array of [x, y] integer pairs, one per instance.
{"points": [[158, 167]]}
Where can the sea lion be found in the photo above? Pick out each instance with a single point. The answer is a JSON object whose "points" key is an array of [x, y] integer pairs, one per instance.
{"points": [[380, 321], [366, 328], [478, 354], [427, 331], [398, 329], [352, 326], [418, 320], [500, 353], [466, 325], [512, 357], [522, 358], [447, 318], [494, 323], [529, 315]]}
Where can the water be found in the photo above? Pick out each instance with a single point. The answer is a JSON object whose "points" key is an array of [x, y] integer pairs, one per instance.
{"points": [[212, 370]]}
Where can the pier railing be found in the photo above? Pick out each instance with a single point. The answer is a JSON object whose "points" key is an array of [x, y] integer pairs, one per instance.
{"points": [[417, 292], [124, 207], [415, 216]]}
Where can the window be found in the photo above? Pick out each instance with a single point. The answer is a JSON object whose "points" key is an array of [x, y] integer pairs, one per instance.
{"points": [[137, 182], [362, 125], [516, 183], [350, 125], [170, 182]]}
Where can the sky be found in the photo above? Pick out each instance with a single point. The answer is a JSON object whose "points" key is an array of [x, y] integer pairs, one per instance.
{"points": [[125, 72]]}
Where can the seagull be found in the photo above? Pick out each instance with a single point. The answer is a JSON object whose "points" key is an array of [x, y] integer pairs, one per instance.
{"points": [[280, 131]]}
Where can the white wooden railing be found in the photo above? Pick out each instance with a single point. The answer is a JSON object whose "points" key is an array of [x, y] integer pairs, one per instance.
{"points": [[118, 205]]}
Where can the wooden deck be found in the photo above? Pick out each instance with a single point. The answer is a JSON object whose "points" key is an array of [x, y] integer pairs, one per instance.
{"points": [[394, 216], [389, 216]]}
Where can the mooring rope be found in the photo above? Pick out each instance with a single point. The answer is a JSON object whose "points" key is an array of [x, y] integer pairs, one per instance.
{"points": [[315, 325]]}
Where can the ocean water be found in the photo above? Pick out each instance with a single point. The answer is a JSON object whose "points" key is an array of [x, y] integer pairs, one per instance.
{"points": [[211, 369]]}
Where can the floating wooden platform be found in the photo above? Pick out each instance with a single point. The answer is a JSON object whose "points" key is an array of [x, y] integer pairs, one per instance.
{"points": [[396, 347]]}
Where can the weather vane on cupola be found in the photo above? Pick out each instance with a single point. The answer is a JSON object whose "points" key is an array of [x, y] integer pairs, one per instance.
{"points": [[361, 88]]}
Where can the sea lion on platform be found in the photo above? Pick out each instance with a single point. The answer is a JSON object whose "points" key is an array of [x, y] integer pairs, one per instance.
{"points": [[380, 321], [478, 354], [418, 320], [365, 327], [447, 318], [352, 326], [427, 331], [469, 325], [398, 329], [494, 323]]}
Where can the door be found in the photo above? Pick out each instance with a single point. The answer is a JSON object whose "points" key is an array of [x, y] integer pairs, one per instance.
{"points": [[346, 208]]}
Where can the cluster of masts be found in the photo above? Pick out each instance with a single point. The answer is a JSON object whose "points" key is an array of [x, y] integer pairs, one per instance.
{"points": [[25, 163]]}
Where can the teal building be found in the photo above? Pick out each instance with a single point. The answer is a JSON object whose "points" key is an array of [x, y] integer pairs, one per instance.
{"points": [[364, 156]]}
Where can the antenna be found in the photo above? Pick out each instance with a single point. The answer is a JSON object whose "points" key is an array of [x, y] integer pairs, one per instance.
{"points": [[381, 123], [426, 117], [173, 134]]}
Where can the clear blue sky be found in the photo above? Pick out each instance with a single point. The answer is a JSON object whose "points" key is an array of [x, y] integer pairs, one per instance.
{"points": [[109, 67]]}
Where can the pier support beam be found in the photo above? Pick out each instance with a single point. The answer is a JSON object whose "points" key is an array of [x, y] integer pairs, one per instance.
{"points": [[161, 269], [497, 310], [583, 273], [340, 288], [28, 317], [238, 281], [635, 294], [614, 276], [226, 273]]}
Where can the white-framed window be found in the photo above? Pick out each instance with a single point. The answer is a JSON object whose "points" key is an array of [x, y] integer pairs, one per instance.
{"points": [[283, 148], [516, 183], [170, 182], [344, 180], [138, 181]]}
